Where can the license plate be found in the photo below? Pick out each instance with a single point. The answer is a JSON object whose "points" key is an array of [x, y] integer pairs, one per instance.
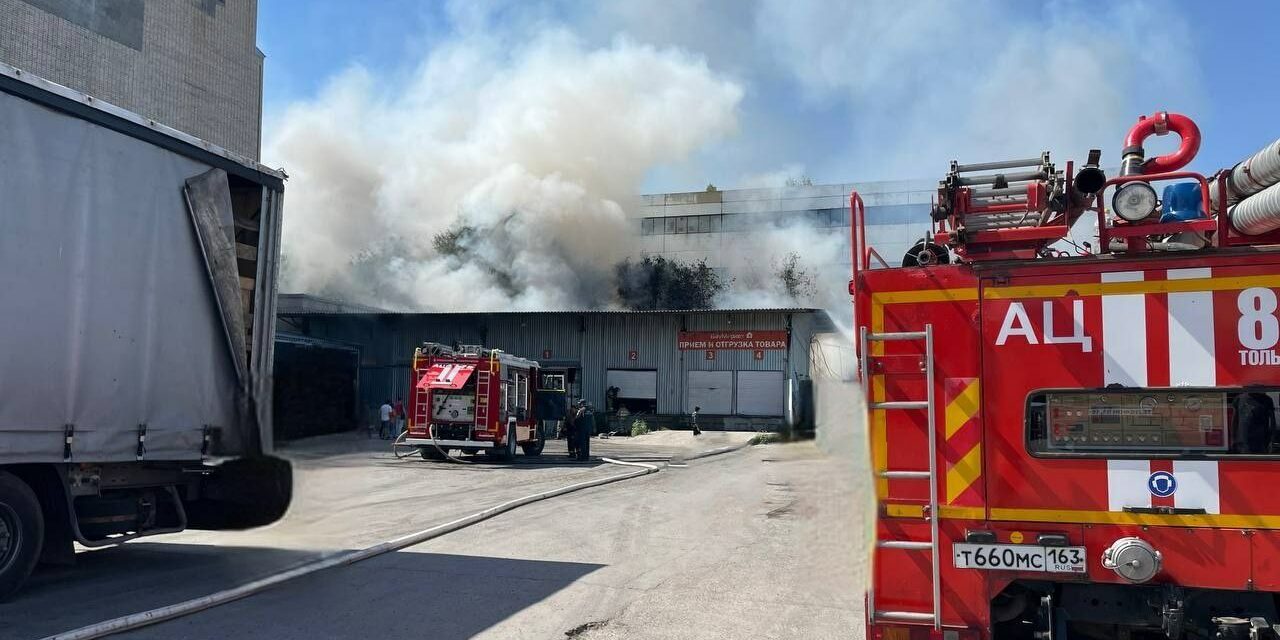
{"points": [[1019, 557]]}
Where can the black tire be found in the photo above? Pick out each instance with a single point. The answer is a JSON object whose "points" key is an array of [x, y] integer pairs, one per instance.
{"points": [[509, 451], [925, 254], [535, 448], [431, 453], [21, 533]]}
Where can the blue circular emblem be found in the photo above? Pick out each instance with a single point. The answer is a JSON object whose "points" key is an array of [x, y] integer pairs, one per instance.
{"points": [[1162, 484]]}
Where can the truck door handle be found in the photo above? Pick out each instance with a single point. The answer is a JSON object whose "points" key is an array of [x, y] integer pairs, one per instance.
{"points": [[1170, 511]]}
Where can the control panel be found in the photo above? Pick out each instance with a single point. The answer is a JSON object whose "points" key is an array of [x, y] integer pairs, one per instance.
{"points": [[1139, 421], [453, 407]]}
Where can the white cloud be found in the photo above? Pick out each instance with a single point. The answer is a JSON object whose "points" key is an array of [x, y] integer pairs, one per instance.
{"points": [[931, 80]]}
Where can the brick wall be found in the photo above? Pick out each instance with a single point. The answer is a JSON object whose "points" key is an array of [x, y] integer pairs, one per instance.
{"points": [[190, 64]]}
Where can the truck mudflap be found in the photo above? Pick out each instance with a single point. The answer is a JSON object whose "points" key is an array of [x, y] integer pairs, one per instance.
{"points": [[242, 493]]}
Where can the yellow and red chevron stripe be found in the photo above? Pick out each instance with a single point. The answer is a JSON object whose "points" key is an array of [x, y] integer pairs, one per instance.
{"points": [[962, 443]]}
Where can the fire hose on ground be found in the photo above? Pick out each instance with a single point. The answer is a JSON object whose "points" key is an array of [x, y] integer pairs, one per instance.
{"points": [[195, 605], [398, 444]]}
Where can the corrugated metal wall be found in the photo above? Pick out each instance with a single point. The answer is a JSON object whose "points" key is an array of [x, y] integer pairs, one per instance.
{"points": [[594, 342]]}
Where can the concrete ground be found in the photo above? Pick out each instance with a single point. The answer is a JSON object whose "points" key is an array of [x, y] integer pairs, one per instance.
{"points": [[758, 543]]}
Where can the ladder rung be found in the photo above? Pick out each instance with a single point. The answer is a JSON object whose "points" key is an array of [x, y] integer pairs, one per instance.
{"points": [[913, 616], [903, 335], [901, 404], [905, 544], [905, 475]]}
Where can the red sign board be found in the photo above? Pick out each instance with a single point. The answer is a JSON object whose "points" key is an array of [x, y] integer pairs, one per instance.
{"points": [[758, 355], [710, 354], [734, 340], [546, 354], [633, 355], [446, 376]]}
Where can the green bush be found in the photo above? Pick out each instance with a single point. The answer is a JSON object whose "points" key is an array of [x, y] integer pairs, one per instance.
{"points": [[766, 438], [639, 427]]}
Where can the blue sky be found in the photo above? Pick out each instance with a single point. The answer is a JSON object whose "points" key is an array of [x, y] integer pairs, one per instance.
{"points": [[793, 119]]}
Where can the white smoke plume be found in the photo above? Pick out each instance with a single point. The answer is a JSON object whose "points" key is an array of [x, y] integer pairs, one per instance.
{"points": [[540, 137], [819, 256], [532, 147]]}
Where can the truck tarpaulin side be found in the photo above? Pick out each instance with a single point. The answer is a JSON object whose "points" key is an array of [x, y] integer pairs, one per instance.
{"points": [[112, 330]]}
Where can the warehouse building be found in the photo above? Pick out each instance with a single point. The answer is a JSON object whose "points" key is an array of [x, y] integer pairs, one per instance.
{"points": [[729, 228], [747, 369]]}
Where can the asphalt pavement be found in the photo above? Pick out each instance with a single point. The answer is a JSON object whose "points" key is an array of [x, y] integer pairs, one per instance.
{"points": [[757, 543]]}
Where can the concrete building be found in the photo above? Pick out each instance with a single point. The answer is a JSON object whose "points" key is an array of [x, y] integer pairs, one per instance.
{"points": [[729, 228], [746, 368], [192, 65]]}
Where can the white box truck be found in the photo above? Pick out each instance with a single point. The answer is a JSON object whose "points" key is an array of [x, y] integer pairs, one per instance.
{"points": [[137, 307]]}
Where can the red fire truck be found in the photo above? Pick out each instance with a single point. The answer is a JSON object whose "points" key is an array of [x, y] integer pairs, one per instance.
{"points": [[474, 399], [1074, 440]]}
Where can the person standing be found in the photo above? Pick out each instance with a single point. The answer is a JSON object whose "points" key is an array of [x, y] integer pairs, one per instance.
{"points": [[400, 417], [571, 431], [583, 425], [693, 421], [384, 416]]}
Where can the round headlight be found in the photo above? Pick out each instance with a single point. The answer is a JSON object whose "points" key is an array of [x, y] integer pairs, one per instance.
{"points": [[1134, 201]]}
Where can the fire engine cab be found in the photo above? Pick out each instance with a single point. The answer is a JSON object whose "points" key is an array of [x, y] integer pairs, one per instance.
{"points": [[474, 399], [1073, 435]]}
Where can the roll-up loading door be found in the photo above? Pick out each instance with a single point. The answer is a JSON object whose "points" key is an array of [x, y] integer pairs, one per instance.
{"points": [[761, 393], [640, 385], [710, 390]]}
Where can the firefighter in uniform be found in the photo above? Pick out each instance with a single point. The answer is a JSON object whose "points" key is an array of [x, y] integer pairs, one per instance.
{"points": [[570, 429], [583, 425]]}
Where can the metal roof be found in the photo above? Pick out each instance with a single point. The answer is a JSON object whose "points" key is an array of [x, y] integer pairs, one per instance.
{"points": [[307, 304], [296, 304]]}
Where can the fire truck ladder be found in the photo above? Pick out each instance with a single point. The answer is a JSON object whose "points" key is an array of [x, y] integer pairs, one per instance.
{"points": [[931, 475], [482, 400]]}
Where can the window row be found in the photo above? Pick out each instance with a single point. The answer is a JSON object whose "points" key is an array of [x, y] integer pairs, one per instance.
{"points": [[681, 224], [714, 223]]}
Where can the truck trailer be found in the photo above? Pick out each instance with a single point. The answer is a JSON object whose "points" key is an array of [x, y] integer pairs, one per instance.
{"points": [[137, 303]]}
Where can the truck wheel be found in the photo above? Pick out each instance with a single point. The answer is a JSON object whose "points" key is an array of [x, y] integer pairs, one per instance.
{"points": [[535, 448], [506, 452], [21, 533], [510, 453]]}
